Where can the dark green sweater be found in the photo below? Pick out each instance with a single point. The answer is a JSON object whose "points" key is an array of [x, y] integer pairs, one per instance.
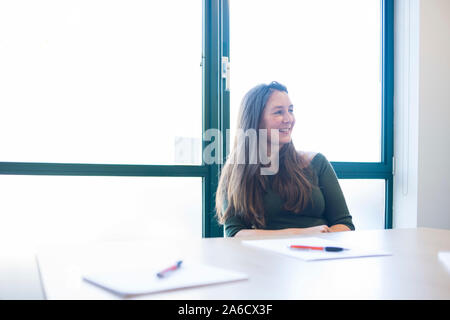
{"points": [[327, 206]]}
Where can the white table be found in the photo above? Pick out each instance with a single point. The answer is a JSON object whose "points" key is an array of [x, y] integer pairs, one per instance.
{"points": [[413, 271]]}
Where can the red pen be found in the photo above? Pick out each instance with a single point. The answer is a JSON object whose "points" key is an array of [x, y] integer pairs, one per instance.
{"points": [[164, 272], [333, 249]]}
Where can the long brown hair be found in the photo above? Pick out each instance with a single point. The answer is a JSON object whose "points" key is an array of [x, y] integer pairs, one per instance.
{"points": [[241, 186]]}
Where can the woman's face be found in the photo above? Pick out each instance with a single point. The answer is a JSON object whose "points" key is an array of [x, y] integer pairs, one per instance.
{"points": [[278, 115]]}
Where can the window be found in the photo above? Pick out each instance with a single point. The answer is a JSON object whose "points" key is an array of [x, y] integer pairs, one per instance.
{"points": [[100, 99], [366, 202], [330, 67], [99, 82], [37, 210], [100, 120]]}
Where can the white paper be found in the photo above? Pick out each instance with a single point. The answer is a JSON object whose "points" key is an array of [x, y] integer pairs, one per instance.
{"points": [[444, 257], [139, 281], [282, 246]]}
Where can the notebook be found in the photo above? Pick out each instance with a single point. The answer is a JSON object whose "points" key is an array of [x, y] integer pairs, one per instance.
{"points": [[138, 281], [115, 271]]}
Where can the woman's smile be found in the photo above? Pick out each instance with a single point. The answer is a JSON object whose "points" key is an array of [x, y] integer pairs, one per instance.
{"points": [[285, 131]]}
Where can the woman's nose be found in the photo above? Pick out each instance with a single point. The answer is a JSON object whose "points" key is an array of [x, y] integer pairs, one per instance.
{"points": [[288, 117]]}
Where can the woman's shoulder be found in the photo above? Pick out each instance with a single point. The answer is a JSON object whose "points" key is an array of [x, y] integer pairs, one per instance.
{"points": [[308, 156], [313, 159]]}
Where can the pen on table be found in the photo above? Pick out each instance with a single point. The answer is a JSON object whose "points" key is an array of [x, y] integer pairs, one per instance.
{"points": [[170, 269], [331, 249]]}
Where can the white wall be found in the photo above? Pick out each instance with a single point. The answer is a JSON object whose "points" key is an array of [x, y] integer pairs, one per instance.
{"points": [[422, 114]]}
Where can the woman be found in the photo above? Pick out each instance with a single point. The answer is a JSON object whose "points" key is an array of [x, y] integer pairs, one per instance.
{"points": [[302, 197]]}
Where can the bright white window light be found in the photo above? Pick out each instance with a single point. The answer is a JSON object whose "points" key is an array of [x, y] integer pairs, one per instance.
{"points": [[100, 81], [327, 53]]}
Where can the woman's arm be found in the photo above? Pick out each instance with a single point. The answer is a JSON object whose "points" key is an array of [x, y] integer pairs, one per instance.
{"points": [[288, 231], [336, 210], [339, 228], [292, 231]]}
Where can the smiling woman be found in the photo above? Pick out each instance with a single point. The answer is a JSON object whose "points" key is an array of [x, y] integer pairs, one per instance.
{"points": [[302, 197]]}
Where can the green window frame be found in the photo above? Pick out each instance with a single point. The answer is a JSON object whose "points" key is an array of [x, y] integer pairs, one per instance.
{"points": [[216, 115]]}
